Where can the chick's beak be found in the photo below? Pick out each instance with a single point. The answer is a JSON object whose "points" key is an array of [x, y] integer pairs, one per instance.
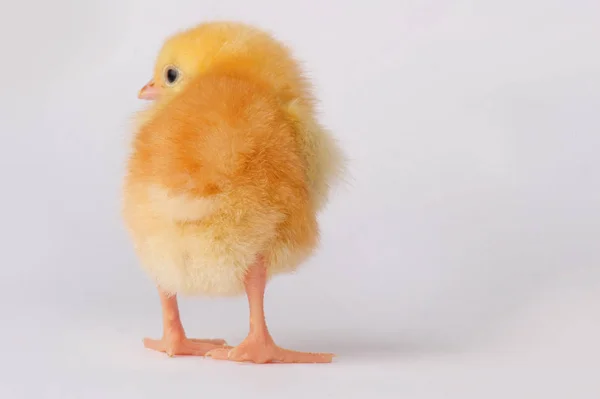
{"points": [[149, 91]]}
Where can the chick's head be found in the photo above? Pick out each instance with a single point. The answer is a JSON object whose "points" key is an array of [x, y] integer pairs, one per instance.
{"points": [[225, 47]]}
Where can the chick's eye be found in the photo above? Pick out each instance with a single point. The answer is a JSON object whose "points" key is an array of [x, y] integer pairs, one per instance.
{"points": [[171, 75]]}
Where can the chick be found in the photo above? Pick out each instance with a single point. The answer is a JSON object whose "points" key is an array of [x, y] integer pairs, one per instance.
{"points": [[228, 171]]}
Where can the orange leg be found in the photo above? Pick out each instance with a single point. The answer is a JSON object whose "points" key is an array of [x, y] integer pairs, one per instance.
{"points": [[259, 347], [174, 342]]}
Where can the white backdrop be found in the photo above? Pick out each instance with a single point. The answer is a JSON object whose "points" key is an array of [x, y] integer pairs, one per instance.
{"points": [[460, 260]]}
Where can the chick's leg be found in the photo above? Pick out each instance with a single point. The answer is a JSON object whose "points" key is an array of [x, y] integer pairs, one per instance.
{"points": [[259, 347], [174, 342]]}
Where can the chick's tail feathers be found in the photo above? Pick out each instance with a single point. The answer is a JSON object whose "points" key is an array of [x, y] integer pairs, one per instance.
{"points": [[325, 159]]}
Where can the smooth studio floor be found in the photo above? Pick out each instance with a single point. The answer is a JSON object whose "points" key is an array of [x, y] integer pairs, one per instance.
{"points": [[550, 351]]}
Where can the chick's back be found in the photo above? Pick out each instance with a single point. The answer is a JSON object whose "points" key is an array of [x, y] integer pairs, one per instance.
{"points": [[215, 179]]}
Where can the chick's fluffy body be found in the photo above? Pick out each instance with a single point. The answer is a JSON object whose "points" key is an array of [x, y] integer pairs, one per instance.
{"points": [[229, 166]]}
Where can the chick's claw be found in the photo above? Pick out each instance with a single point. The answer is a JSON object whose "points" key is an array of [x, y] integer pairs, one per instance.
{"points": [[271, 353], [184, 346], [221, 342]]}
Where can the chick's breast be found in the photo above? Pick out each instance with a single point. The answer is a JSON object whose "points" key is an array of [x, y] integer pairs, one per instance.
{"points": [[215, 179]]}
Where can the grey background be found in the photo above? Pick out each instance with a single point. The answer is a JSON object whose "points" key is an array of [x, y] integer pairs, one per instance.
{"points": [[460, 260]]}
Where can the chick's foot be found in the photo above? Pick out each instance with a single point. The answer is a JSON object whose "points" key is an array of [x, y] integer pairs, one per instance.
{"points": [[174, 341], [261, 351], [259, 347], [184, 346]]}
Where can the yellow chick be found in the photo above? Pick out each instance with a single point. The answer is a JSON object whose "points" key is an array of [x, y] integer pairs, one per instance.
{"points": [[228, 170]]}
